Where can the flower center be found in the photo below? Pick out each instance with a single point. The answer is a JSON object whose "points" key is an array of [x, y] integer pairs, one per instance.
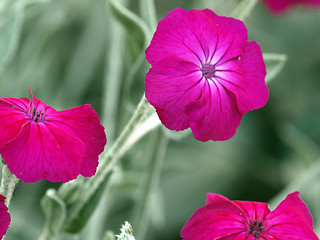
{"points": [[255, 229], [208, 70], [37, 115]]}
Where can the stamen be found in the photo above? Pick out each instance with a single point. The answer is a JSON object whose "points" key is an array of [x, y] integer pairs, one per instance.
{"points": [[34, 112], [255, 230], [37, 117]]}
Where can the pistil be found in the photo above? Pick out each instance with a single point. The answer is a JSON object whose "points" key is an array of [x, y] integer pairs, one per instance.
{"points": [[208, 70]]}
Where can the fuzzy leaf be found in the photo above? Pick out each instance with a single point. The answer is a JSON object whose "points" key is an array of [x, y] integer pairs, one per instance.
{"points": [[137, 28], [274, 63], [148, 12], [81, 198], [55, 211]]}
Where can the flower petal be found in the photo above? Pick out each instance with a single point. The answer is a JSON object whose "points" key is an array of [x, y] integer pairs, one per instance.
{"points": [[236, 236], [4, 217], [185, 53], [254, 211], [213, 198], [215, 115], [171, 85], [13, 117], [218, 219], [198, 36], [19, 103], [82, 122], [44, 152], [277, 6], [231, 38], [280, 6], [291, 219], [245, 78], [175, 36]]}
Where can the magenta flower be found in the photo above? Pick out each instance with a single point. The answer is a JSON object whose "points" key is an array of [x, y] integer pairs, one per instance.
{"points": [[281, 6], [38, 142], [4, 217], [204, 74], [222, 219]]}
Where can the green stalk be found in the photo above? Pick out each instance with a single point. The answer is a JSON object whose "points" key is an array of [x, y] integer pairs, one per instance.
{"points": [[243, 9], [125, 140], [148, 12], [157, 157], [90, 190], [303, 182], [113, 77], [113, 81]]}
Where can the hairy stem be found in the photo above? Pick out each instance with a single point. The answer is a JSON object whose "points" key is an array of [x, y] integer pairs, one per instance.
{"points": [[126, 139], [8, 184]]}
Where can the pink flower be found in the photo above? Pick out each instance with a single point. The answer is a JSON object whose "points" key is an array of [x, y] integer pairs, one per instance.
{"points": [[38, 142], [281, 6], [204, 75], [4, 217], [222, 219]]}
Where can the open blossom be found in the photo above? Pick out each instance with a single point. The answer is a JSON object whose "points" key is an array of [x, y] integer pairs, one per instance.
{"points": [[204, 74], [280, 6], [4, 217], [222, 219], [38, 142]]}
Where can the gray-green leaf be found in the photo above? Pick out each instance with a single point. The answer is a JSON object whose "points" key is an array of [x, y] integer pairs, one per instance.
{"points": [[55, 211], [274, 63], [80, 208], [137, 28]]}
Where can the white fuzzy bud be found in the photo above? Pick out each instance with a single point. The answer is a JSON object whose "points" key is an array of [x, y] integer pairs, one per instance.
{"points": [[126, 232]]}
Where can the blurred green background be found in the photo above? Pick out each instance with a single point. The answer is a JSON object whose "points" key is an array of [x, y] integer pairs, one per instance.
{"points": [[73, 52]]}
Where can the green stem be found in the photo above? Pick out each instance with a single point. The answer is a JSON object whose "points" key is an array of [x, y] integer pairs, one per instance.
{"points": [[3, 4], [110, 112], [125, 140], [113, 77], [8, 184], [91, 189], [243, 9], [307, 150], [91, 44], [142, 216], [307, 179], [148, 12]]}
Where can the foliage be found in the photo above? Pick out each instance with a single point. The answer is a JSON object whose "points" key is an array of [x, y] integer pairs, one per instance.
{"points": [[76, 51]]}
